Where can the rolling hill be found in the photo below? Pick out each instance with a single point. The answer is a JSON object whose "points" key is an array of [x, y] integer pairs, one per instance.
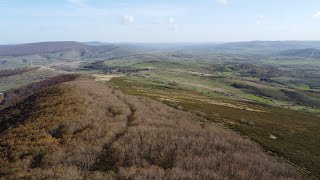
{"points": [[301, 53], [55, 47], [251, 47], [221, 82], [41, 48], [268, 46], [80, 128], [57, 54], [95, 46]]}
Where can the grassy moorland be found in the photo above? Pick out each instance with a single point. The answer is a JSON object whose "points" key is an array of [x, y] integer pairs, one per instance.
{"points": [[277, 86], [83, 129], [282, 132], [279, 112]]}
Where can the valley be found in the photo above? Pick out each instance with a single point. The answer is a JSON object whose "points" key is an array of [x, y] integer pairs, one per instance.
{"points": [[263, 94]]}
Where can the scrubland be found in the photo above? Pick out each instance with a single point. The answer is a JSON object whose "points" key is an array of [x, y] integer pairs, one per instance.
{"points": [[85, 129]]}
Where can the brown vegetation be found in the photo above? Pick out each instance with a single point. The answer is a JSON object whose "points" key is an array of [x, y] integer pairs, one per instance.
{"points": [[40, 48], [52, 47], [85, 129], [12, 72], [16, 95]]}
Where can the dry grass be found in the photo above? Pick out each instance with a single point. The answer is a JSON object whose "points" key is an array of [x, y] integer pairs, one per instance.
{"points": [[85, 129], [105, 77], [163, 143], [16, 95], [12, 72]]}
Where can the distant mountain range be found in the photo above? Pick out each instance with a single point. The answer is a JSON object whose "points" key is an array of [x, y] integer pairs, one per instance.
{"points": [[96, 43], [253, 47], [42, 48], [230, 47], [302, 53], [290, 48], [270, 45]]}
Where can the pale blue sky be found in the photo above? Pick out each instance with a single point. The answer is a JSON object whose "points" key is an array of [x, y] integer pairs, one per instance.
{"points": [[158, 21]]}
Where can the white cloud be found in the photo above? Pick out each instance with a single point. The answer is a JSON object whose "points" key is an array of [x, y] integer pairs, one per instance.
{"points": [[79, 3], [259, 19], [317, 15], [173, 25], [127, 20], [172, 20], [224, 2]]}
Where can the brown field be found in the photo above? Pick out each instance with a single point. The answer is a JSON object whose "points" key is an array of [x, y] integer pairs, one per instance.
{"points": [[86, 129], [105, 77]]}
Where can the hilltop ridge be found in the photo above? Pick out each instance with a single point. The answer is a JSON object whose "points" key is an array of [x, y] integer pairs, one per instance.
{"points": [[83, 128], [40, 48]]}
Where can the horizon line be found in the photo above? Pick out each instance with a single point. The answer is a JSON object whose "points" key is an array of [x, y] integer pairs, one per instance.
{"points": [[136, 42]]}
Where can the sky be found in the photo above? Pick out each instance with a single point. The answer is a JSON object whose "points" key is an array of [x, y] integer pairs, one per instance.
{"points": [[23, 21]]}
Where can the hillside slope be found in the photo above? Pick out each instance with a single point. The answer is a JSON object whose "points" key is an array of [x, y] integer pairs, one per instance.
{"points": [[59, 55], [255, 47], [302, 53], [83, 128], [41, 48], [45, 48]]}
